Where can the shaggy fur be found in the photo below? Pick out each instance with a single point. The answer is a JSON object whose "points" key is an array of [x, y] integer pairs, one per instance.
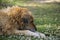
{"points": [[18, 21], [15, 18]]}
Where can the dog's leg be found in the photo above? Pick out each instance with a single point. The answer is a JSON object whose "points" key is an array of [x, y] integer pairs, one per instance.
{"points": [[27, 33], [41, 35]]}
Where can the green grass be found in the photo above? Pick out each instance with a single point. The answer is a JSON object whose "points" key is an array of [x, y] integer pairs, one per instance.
{"points": [[47, 18], [45, 14]]}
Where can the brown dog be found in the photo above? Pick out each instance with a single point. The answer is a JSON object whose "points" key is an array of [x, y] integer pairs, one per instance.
{"points": [[15, 18], [18, 21]]}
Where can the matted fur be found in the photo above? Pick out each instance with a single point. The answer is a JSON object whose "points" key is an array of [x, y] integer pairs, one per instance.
{"points": [[15, 18]]}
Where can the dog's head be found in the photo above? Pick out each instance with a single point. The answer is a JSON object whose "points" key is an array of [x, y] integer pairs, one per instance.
{"points": [[24, 18], [27, 20]]}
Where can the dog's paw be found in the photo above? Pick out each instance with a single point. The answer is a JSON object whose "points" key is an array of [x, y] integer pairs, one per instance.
{"points": [[36, 35], [42, 35], [39, 35]]}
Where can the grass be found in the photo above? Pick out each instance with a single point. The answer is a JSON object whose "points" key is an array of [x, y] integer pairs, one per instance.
{"points": [[15, 37]]}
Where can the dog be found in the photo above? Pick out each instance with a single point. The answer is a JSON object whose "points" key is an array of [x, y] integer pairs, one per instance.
{"points": [[19, 21]]}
